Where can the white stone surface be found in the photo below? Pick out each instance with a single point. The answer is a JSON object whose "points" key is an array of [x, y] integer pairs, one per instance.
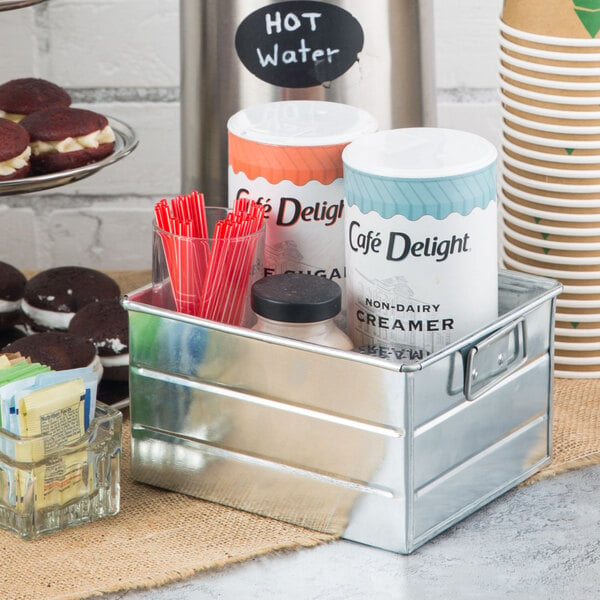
{"points": [[129, 43], [18, 240], [466, 38], [17, 43], [535, 542], [107, 235]]}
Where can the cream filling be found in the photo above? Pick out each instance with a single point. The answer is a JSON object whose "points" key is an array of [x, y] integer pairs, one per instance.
{"points": [[14, 117], [8, 306], [8, 167], [47, 318], [121, 360], [72, 144], [97, 367]]}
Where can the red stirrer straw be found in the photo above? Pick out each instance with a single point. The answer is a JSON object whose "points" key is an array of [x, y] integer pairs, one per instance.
{"points": [[211, 283], [230, 265], [183, 232]]}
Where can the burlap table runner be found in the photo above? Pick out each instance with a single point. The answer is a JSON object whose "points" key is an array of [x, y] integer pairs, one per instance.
{"points": [[161, 536]]}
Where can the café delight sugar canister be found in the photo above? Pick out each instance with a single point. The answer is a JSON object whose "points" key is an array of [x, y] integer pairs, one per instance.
{"points": [[288, 156], [420, 236]]}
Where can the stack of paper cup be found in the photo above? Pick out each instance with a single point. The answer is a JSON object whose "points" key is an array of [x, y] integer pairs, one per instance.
{"points": [[550, 163]]}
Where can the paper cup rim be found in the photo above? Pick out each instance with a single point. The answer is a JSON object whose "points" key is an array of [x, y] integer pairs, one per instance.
{"points": [[551, 142], [575, 346], [551, 259], [585, 159], [581, 289], [578, 318], [550, 244], [550, 201], [576, 374], [569, 303], [553, 187], [577, 360], [576, 333], [550, 54], [552, 273], [551, 216], [549, 40], [564, 231], [551, 113], [549, 69], [549, 97], [550, 171], [547, 127], [573, 86]]}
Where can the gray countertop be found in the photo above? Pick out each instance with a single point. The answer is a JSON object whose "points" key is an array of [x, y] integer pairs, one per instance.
{"points": [[540, 541]]}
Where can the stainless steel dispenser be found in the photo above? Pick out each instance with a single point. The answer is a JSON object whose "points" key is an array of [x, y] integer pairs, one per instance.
{"points": [[376, 55]]}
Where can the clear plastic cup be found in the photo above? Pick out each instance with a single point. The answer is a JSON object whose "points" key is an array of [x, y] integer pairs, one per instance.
{"points": [[207, 277]]}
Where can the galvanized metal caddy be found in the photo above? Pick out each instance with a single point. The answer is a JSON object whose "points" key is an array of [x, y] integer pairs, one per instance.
{"points": [[381, 449]]}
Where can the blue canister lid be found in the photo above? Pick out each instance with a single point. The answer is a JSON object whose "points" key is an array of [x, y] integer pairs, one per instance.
{"points": [[420, 171]]}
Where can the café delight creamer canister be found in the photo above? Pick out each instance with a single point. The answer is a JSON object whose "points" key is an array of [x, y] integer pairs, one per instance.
{"points": [[420, 236], [288, 156]]}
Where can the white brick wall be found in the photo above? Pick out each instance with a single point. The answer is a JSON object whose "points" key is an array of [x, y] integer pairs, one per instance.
{"points": [[121, 58]]}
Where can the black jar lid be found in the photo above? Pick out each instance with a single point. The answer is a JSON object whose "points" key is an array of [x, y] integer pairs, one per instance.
{"points": [[296, 298]]}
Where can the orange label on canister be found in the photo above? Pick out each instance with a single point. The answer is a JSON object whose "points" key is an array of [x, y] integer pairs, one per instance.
{"points": [[287, 156], [297, 164]]}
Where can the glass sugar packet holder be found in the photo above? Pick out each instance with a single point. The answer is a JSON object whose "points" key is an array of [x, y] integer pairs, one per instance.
{"points": [[44, 489]]}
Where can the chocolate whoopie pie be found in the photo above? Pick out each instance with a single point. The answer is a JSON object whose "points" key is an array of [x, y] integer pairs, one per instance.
{"points": [[52, 297], [21, 97], [67, 138], [56, 350], [106, 325], [12, 287], [14, 151]]}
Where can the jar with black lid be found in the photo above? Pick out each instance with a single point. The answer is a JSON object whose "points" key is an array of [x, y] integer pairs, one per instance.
{"points": [[299, 306]]}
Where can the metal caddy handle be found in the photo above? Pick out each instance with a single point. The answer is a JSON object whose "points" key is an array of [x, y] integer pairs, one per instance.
{"points": [[494, 358]]}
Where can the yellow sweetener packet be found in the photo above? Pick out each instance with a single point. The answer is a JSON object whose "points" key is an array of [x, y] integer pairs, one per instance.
{"points": [[57, 413]]}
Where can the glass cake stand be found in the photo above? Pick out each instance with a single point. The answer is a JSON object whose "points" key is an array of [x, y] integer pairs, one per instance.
{"points": [[13, 4], [125, 142]]}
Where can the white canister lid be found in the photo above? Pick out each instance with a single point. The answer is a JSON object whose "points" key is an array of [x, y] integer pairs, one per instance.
{"points": [[301, 123], [419, 153]]}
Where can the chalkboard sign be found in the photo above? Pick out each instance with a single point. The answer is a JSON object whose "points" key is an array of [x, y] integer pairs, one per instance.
{"points": [[299, 44]]}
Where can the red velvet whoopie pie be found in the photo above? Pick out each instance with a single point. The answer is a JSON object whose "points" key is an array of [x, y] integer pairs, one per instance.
{"points": [[67, 138], [14, 151], [21, 97]]}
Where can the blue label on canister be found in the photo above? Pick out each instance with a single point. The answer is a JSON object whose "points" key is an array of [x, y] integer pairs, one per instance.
{"points": [[420, 236]]}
